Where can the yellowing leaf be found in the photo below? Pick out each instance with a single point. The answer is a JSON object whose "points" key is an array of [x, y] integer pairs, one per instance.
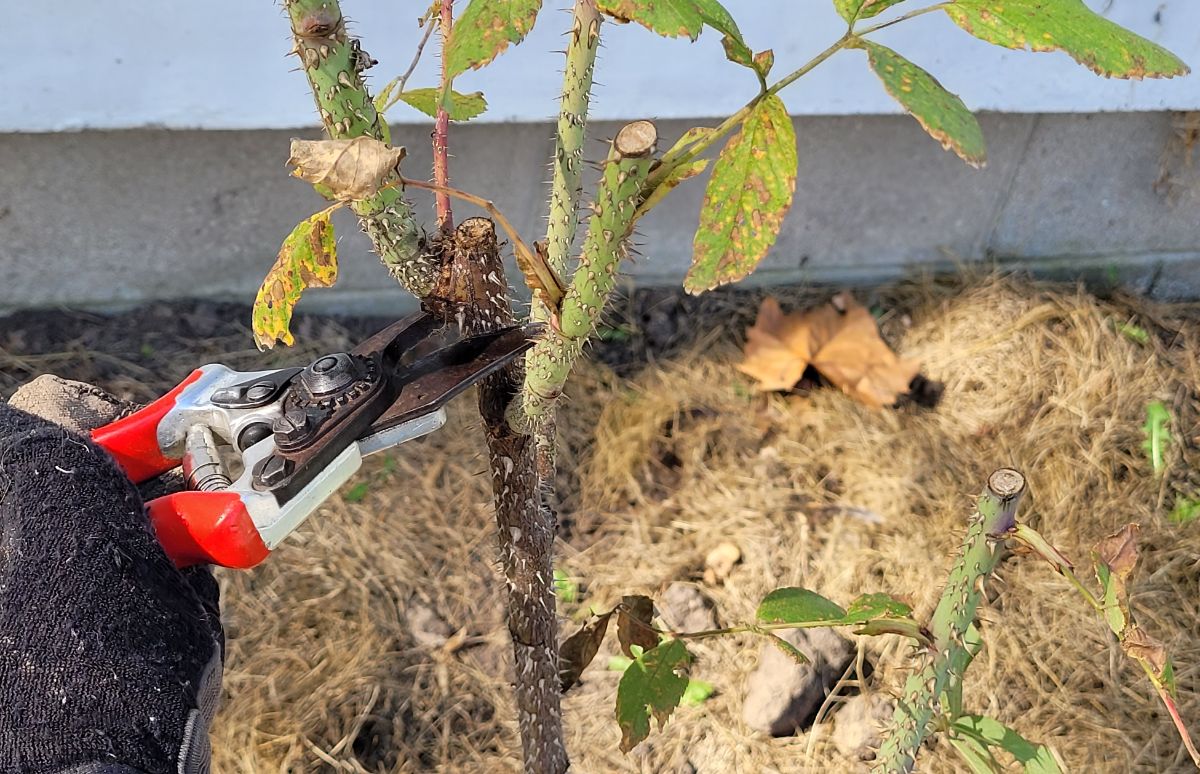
{"points": [[348, 169], [748, 194], [1067, 25], [672, 18], [462, 107], [307, 258], [485, 29], [841, 341], [941, 114]]}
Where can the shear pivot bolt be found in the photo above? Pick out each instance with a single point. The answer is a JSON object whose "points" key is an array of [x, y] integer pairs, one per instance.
{"points": [[329, 374]]}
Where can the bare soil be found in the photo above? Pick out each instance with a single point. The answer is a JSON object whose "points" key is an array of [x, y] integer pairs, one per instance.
{"points": [[334, 661]]}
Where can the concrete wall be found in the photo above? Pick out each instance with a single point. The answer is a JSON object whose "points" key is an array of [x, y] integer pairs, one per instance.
{"points": [[138, 204], [98, 218]]}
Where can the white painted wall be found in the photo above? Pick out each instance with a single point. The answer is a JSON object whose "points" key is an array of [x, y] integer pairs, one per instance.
{"points": [[220, 64]]}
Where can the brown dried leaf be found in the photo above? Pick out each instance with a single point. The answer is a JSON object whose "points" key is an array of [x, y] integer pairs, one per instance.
{"points": [[633, 623], [1137, 644], [349, 169], [840, 339], [579, 649], [1119, 551]]}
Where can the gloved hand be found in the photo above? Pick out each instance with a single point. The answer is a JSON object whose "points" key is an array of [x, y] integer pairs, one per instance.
{"points": [[110, 657]]}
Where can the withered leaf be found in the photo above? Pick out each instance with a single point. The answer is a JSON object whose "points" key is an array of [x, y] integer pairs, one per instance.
{"points": [[580, 648], [633, 623], [1119, 551], [307, 258], [840, 339], [348, 169], [1137, 644]]}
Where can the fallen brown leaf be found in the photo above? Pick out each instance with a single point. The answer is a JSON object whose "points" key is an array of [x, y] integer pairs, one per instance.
{"points": [[350, 169], [840, 339]]}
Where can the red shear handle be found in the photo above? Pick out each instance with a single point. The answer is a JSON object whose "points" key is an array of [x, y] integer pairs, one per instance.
{"points": [[207, 528], [133, 441]]}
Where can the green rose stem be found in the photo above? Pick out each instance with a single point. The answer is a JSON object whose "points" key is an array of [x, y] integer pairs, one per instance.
{"points": [[955, 612], [334, 62], [549, 362]]}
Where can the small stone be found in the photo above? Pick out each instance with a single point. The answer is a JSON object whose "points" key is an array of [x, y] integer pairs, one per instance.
{"points": [[720, 562], [859, 724], [686, 609], [426, 627], [783, 696]]}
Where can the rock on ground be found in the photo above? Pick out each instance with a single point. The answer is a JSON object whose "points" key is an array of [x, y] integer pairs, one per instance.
{"points": [[783, 696], [686, 609], [859, 723]]}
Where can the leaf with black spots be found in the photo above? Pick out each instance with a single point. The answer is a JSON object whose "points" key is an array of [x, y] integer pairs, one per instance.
{"points": [[748, 194], [307, 258]]}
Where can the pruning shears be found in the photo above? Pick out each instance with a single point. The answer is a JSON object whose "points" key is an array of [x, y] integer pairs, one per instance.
{"points": [[262, 450]]}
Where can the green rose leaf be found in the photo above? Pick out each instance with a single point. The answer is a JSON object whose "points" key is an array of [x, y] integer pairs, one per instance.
{"points": [[307, 258], [748, 194], [853, 10], [1158, 435], [1066, 25], [485, 29], [1034, 758], [670, 18], [878, 605], [461, 107], [792, 604], [941, 114], [653, 685]]}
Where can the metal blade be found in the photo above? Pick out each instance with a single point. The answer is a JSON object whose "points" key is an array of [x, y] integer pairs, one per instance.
{"points": [[433, 380]]}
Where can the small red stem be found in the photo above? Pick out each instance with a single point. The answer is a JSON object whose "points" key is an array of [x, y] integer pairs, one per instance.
{"points": [[441, 131]]}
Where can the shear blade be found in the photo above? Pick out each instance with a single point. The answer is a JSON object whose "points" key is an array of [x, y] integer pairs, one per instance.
{"points": [[432, 380]]}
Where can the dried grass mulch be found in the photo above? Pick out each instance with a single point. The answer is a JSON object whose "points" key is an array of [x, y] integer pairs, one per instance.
{"points": [[667, 452]]}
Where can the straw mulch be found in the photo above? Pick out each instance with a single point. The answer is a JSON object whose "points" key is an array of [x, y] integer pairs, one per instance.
{"points": [[663, 459]]}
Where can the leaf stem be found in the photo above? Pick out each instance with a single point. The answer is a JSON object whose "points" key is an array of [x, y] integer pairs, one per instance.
{"points": [[905, 17], [672, 160], [401, 81], [679, 156], [525, 255]]}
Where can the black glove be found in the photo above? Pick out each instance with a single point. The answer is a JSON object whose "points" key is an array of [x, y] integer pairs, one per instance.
{"points": [[110, 657]]}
